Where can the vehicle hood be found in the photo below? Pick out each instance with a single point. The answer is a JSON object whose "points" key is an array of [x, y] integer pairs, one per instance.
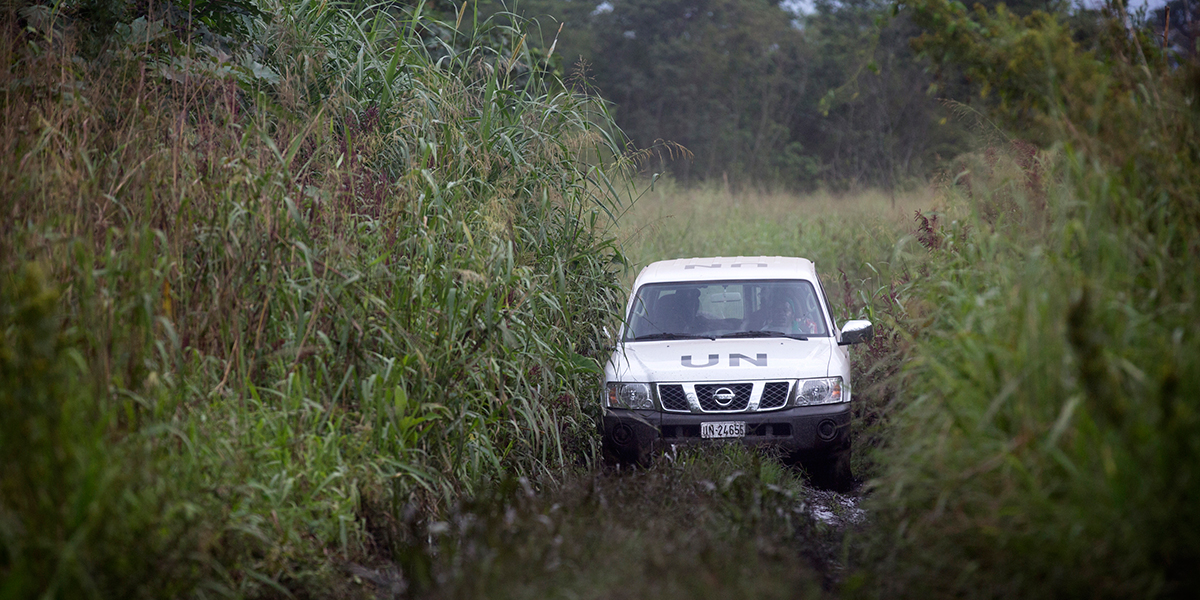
{"points": [[720, 360]]}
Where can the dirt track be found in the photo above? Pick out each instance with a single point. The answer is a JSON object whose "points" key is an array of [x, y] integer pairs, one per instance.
{"points": [[709, 524]]}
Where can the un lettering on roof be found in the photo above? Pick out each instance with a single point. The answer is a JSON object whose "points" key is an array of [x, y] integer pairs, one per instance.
{"points": [[732, 266]]}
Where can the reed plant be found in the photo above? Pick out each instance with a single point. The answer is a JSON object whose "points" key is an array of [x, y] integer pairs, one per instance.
{"points": [[1046, 447], [303, 277], [1042, 450]]}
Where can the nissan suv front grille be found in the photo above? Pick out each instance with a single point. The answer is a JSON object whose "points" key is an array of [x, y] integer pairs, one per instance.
{"points": [[724, 397], [673, 398], [729, 397], [775, 395]]}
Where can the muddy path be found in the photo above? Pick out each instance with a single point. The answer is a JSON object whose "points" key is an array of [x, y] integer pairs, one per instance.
{"points": [[713, 523]]}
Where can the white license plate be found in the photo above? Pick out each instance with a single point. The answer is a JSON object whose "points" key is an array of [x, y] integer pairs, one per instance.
{"points": [[723, 429]]}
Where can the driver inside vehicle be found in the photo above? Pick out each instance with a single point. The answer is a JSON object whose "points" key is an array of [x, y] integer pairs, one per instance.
{"points": [[780, 316], [676, 312], [783, 317]]}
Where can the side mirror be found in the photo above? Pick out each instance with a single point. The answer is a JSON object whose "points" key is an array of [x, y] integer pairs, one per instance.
{"points": [[856, 332]]}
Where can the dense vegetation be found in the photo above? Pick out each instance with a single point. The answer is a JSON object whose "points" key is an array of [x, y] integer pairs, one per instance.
{"points": [[300, 298], [274, 276], [1047, 445]]}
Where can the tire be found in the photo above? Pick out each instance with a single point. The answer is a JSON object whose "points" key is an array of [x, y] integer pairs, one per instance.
{"points": [[635, 456], [832, 471]]}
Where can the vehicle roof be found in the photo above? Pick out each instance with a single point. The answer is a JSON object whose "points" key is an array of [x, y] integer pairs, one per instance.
{"points": [[726, 268]]}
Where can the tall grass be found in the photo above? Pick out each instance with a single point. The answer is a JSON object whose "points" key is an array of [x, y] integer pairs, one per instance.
{"points": [[305, 282], [1047, 448], [81, 516]]}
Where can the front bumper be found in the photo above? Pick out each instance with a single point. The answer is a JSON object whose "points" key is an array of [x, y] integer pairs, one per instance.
{"points": [[632, 434]]}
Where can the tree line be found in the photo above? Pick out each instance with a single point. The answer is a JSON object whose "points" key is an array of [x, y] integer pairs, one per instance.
{"points": [[756, 94]]}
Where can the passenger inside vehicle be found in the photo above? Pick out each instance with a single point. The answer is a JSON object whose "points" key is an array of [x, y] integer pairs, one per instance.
{"points": [[781, 316], [784, 312], [676, 313]]}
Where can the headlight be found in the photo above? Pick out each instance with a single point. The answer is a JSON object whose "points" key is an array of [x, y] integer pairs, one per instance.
{"points": [[826, 390], [628, 395]]}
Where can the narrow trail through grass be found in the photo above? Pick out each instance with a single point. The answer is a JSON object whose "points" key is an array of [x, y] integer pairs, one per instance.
{"points": [[714, 522]]}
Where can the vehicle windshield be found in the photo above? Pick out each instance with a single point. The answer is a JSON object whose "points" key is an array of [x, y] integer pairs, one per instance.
{"points": [[686, 310]]}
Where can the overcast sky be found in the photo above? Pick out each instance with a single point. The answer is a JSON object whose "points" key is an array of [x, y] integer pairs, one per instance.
{"points": [[801, 7]]}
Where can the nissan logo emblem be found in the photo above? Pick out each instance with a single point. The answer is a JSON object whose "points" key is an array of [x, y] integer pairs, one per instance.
{"points": [[723, 396]]}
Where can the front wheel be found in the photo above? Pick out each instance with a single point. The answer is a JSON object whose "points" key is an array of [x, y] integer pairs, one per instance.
{"points": [[628, 454], [831, 471]]}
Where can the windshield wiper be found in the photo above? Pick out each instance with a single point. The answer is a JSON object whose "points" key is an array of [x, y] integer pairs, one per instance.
{"points": [[765, 333], [670, 336]]}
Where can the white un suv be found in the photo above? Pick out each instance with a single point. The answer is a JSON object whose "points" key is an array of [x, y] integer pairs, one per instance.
{"points": [[741, 348]]}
